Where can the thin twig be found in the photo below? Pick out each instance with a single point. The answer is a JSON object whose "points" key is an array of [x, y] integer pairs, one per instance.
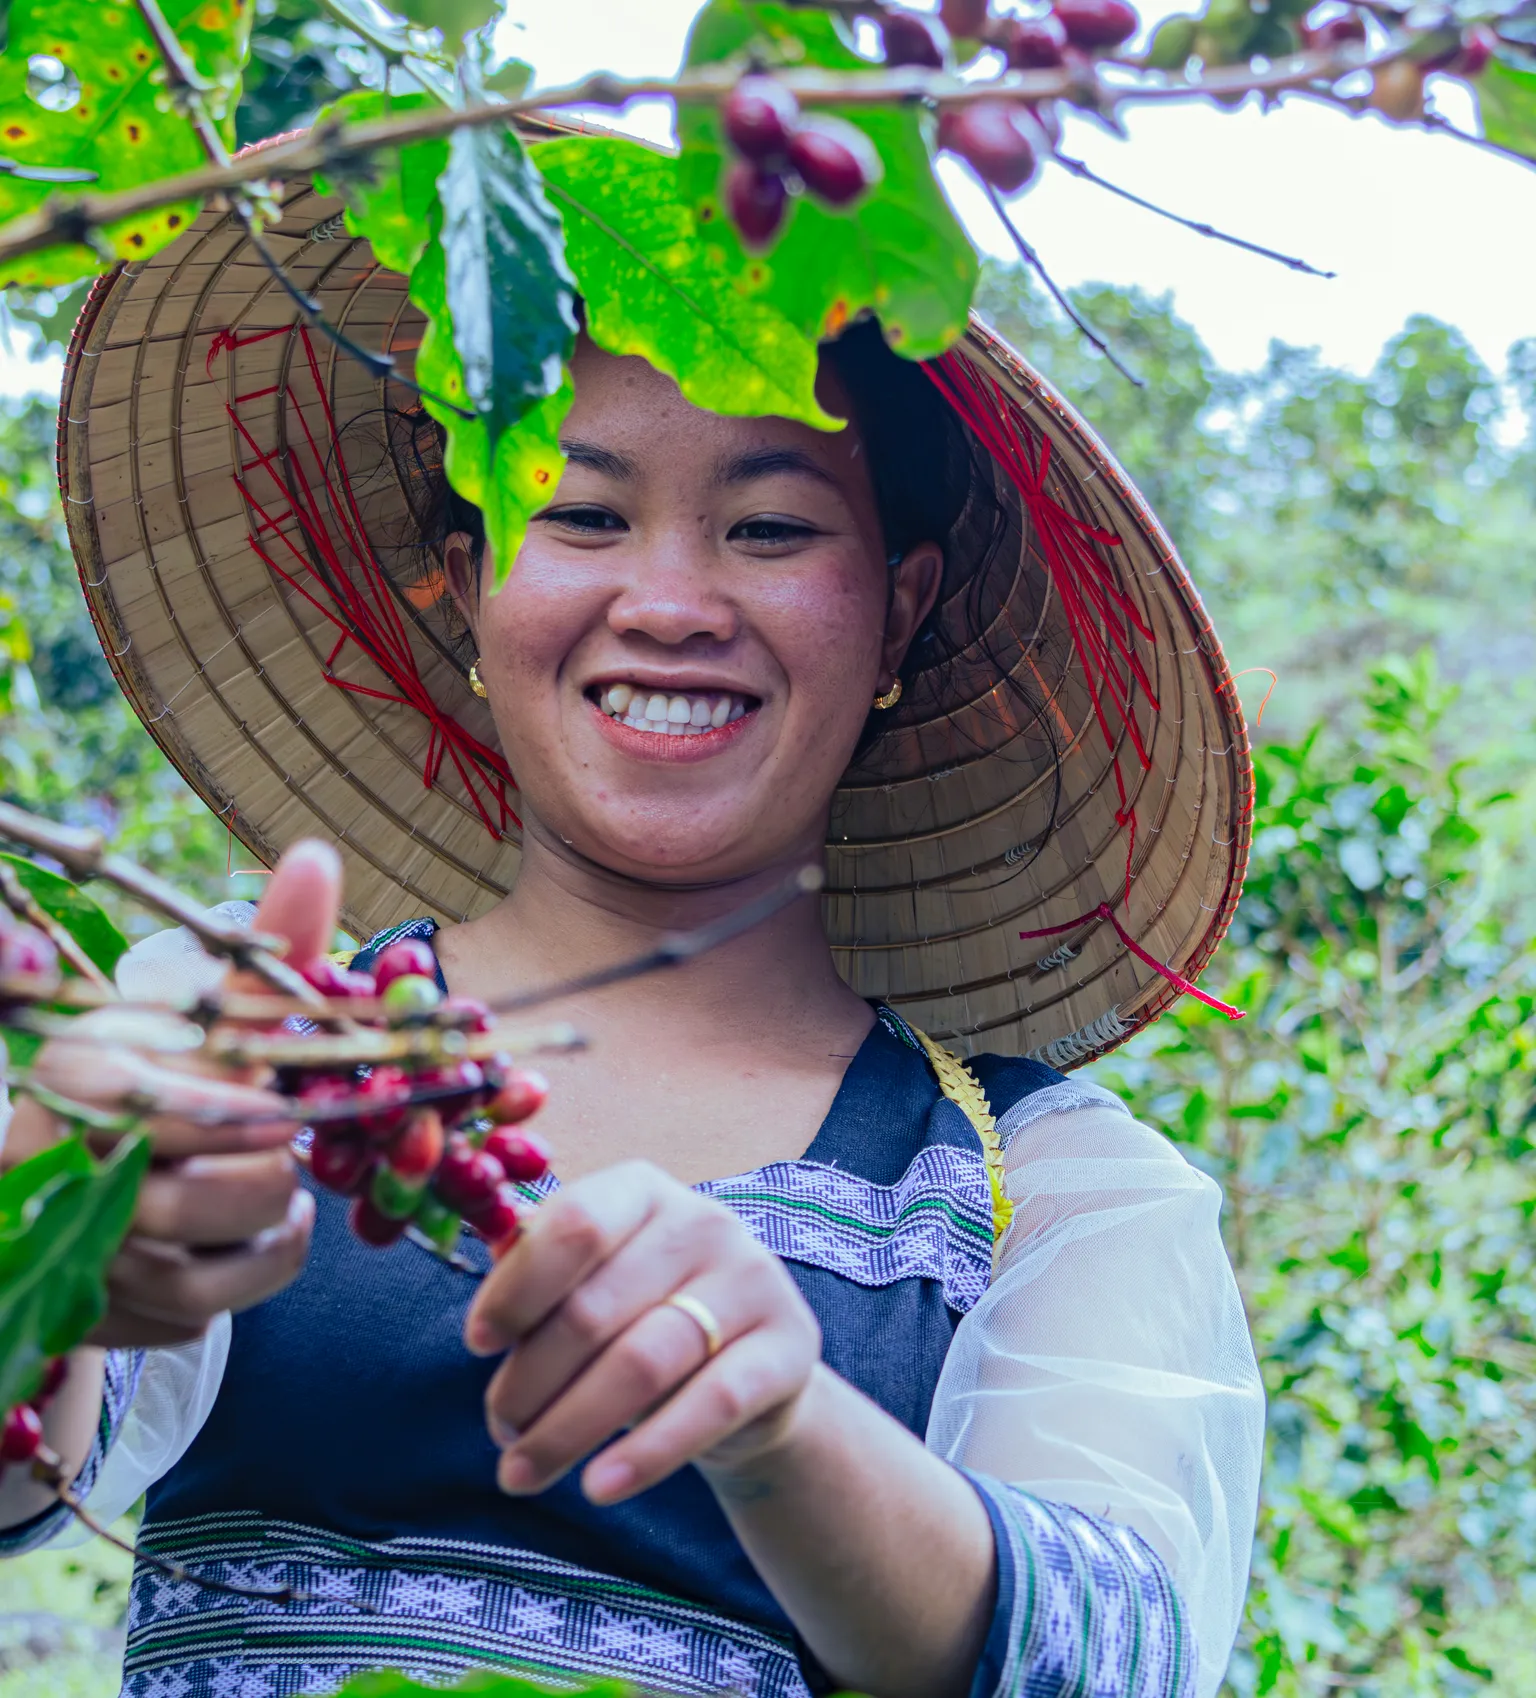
{"points": [[1079, 168], [1443, 126], [676, 948], [1032, 259], [47, 1469], [332, 146], [85, 855], [25, 906]]}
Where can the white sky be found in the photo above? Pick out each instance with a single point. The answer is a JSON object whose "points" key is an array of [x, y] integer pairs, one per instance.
{"points": [[1411, 222]]}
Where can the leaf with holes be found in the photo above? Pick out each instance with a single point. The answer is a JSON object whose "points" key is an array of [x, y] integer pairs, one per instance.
{"points": [[899, 251], [82, 88], [85, 920], [1506, 101], [63, 1214]]}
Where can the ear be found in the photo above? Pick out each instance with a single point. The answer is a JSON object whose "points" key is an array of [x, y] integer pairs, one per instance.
{"points": [[914, 589], [461, 577]]}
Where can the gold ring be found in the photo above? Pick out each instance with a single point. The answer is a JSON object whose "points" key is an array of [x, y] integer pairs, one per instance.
{"points": [[703, 1315]]}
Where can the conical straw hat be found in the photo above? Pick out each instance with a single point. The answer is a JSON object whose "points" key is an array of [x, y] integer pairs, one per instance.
{"points": [[1080, 774]]}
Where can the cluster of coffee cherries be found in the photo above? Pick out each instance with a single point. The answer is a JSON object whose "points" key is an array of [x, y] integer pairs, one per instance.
{"points": [[21, 1437], [429, 1145], [781, 152]]}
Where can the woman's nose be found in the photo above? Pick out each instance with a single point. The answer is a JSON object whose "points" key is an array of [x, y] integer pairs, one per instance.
{"points": [[674, 594]]}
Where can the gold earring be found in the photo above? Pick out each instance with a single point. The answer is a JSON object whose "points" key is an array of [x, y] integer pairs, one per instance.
{"points": [[891, 696], [475, 683]]}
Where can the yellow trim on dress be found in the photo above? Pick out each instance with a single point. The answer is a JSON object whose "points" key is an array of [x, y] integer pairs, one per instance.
{"points": [[963, 1089]]}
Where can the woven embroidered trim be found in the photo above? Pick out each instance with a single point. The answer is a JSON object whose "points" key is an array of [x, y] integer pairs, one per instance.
{"points": [[1094, 1610], [963, 1089], [934, 1223], [438, 1607], [120, 1383]]}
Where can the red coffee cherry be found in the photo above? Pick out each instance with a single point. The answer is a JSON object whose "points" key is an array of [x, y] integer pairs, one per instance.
{"points": [[22, 1436], [834, 160], [912, 38], [1477, 48], [523, 1155], [756, 201], [330, 980], [964, 19], [26, 952], [384, 1103], [520, 1094], [414, 1154], [409, 957], [1097, 24], [498, 1218], [340, 1161], [373, 1226], [758, 117], [1347, 30], [1033, 44], [54, 1376], [993, 138], [469, 1013], [467, 1178]]}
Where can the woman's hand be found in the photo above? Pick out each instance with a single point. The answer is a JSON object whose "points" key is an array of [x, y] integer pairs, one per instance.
{"points": [[581, 1302], [221, 1220]]}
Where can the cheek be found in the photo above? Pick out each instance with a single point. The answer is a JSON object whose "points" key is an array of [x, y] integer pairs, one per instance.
{"points": [[827, 630], [528, 628]]}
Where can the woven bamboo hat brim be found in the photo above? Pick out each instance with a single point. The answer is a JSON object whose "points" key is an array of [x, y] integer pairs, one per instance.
{"points": [[991, 805]]}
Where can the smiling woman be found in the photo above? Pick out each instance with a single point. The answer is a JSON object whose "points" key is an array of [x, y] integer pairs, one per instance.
{"points": [[829, 1360]]}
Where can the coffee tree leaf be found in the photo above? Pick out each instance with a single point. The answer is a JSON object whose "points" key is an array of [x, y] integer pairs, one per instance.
{"points": [[508, 479], [79, 91], [83, 918], [1506, 100], [509, 292], [63, 1214], [455, 18], [899, 251], [390, 197]]}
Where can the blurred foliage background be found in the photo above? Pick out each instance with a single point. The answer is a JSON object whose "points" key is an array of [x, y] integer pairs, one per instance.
{"points": [[1372, 539]]}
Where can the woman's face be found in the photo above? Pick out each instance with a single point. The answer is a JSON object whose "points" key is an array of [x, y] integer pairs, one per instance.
{"points": [[686, 649]]}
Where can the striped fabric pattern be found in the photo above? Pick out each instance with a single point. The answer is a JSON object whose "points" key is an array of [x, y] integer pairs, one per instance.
{"points": [[1085, 1607], [121, 1381]]}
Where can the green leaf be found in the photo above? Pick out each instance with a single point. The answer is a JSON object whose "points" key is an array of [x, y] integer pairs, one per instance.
{"points": [[898, 252], [1460, 1659], [1506, 99], [391, 200], [62, 1216], [510, 294], [455, 18], [107, 113], [84, 919]]}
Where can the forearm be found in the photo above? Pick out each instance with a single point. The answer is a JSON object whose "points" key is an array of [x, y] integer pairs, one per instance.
{"points": [[69, 1427], [879, 1552]]}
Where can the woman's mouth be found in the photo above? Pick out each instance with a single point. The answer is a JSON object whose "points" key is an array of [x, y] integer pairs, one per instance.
{"points": [[670, 713]]}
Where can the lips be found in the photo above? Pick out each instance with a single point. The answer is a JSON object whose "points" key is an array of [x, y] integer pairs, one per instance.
{"points": [[670, 713]]}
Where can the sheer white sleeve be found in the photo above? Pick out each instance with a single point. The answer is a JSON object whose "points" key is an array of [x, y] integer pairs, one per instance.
{"points": [[142, 1441], [1109, 1366]]}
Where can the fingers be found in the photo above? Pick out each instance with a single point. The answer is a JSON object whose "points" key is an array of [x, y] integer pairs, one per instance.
{"points": [[214, 1200], [756, 1380], [569, 1237], [194, 1112], [300, 906], [163, 1293]]}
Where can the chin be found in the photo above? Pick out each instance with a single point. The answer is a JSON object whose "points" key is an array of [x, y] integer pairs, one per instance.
{"points": [[680, 848]]}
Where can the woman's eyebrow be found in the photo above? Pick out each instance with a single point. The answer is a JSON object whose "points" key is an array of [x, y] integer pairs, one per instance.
{"points": [[602, 460], [770, 462]]}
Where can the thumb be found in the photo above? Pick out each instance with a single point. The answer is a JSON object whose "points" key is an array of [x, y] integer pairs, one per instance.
{"points": [[302, 902]]}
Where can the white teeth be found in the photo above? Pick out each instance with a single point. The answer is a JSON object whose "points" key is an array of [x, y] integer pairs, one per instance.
{"points": [[670, 715]]}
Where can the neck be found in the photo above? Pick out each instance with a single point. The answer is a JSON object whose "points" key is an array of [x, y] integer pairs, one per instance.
{"points": [[568, 916]]}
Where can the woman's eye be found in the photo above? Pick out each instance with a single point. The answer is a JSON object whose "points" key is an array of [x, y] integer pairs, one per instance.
{"points": [[591, 521], [771, 532]]}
